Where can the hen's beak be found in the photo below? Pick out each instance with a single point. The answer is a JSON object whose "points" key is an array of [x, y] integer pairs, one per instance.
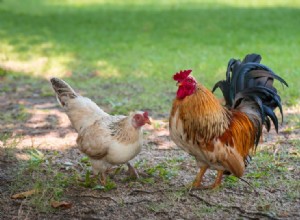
{"points": [[147, 121], [178, 84]]}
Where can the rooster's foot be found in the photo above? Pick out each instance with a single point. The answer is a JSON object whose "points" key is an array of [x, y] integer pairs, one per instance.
{"points": [[217, 182], [213, 186], [198, 182], [202, 187]]}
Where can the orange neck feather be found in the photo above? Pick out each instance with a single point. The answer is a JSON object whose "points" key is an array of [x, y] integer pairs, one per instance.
{"points": [[202, 114]]}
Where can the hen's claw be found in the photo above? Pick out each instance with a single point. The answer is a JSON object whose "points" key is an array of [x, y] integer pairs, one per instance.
{"points": [[132, 172], [102, 179]]}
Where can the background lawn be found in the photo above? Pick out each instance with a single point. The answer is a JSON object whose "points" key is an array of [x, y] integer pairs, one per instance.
{"points": [[123, 54]]}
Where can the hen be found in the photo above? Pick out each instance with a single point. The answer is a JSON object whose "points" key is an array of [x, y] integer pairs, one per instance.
{"points": [[107, 140], [223, 137]]}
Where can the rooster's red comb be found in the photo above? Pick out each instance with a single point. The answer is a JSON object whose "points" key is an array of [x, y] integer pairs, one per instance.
{"points": [[183, 74]]}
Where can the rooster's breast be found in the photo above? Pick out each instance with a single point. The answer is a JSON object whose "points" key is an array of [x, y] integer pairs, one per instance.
{"points": [[178, 135], [207, 153]]}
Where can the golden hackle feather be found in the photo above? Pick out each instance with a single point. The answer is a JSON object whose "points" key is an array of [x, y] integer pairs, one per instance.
{"points": [[205, 106]]}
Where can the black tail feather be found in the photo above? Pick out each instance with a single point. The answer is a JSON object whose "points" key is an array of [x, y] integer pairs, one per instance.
{"points": [[255, 58], [252, 81]]}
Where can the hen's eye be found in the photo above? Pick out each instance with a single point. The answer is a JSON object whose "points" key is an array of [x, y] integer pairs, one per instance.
{"points": [[138, 117]]}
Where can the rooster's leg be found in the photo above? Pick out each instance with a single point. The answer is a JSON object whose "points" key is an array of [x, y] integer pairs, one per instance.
{"points": [[132, 172], [218, 180], [198, 180]]}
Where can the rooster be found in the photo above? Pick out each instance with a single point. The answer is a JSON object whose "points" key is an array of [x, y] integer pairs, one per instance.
{"points": [[221, 137], [107, 140]]}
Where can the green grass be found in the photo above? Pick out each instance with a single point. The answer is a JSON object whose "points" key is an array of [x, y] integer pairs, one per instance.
{"points": [[47, 179], [124, 53]]}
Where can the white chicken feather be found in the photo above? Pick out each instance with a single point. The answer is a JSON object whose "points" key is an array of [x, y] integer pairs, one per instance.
{"points": [[108, 140]]}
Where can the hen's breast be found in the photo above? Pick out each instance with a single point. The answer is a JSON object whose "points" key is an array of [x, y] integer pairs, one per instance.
{"points": [[119, 153], [114, 144]]}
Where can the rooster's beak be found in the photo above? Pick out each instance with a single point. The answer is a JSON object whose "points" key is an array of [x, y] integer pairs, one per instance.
{"points": [[178, 84]]}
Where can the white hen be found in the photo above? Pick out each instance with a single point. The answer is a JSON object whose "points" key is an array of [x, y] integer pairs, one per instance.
{"points": [[108, 140]]}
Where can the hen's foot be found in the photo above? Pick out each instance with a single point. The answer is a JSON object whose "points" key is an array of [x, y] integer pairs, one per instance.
{"points": [[132, 172], [102, 179]]}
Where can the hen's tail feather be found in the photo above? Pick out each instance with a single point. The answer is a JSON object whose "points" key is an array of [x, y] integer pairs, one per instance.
{"points": [[250, 81], [62, 90]]}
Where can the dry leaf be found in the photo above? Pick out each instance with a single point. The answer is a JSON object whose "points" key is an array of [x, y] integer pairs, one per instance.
{"points": [[283, 214], [23, 195], [62, 204]]}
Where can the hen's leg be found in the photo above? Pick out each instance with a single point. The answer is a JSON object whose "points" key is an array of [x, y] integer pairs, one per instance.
{"points": [[197, 182], [132, 172], [103, 178]]}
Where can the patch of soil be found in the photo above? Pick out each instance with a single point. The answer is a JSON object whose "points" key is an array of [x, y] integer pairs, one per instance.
{"points": [[48, 129]]}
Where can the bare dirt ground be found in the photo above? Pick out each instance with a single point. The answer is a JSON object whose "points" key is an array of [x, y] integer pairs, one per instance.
{"points": [[162, 192]]}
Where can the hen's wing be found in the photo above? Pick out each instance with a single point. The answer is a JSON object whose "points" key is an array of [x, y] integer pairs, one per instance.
{"points": [[96, 139]]}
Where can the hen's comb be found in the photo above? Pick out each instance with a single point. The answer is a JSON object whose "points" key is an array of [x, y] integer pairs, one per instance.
{"points": [[145, 114], [183, 74]]}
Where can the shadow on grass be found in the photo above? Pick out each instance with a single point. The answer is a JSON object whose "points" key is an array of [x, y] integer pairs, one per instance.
{"points": [[145, 44]]}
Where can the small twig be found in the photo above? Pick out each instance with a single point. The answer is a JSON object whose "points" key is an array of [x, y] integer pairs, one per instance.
{"points": [[250, 212], [142, 200], [201, 199], [136, 191], [234, 207], [20, 211], [97, 197], [249, 184], [248, 217]]}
